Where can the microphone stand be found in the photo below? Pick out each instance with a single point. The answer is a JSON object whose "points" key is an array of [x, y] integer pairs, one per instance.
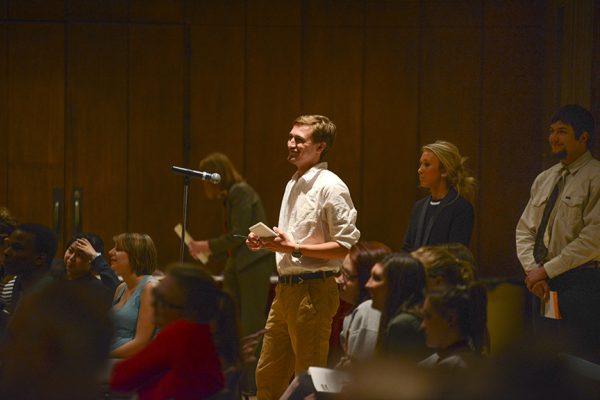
{"points": [[186, 187]]}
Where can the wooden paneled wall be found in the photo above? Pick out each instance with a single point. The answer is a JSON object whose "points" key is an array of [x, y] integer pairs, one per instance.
{"points": [[106, 96]]}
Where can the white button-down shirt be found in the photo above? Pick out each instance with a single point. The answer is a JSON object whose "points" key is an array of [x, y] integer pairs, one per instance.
{"points": [[574, 234], [316, 208]]}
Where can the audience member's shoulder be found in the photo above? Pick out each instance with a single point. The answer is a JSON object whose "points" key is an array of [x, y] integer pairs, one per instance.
{"points": [[366, 306], [405, 319], [365, 310]]}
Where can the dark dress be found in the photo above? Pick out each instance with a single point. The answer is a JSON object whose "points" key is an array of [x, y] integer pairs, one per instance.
{"points": [[451, 221]]}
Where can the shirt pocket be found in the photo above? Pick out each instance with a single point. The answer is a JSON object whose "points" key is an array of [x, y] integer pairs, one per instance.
{"points": [[539, 202], [572, 207]]}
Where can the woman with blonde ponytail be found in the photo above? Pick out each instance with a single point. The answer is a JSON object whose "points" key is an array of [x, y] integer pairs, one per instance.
{"points": [[446, 215]]}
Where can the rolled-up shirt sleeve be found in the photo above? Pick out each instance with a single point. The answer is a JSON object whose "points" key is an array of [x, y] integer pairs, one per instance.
{"points": [[341, 216]]}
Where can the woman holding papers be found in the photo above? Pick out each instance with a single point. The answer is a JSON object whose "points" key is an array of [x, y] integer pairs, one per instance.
{"points": [[246, 274]]}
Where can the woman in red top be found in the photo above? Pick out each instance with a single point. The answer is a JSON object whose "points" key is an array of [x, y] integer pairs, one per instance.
{"points": [[183, 361]]}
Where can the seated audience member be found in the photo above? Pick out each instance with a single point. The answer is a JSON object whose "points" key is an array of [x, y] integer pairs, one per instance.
{"points": [[443, 268], [134, 259], [7, 224], [57, 344], [28, 253], [461, 252], [83, 261], [183, 361], [361, 326], [455, 324], [397, 285]]}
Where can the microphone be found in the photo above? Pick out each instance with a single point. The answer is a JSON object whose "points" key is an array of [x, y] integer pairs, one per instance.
{"points": [[205, 176]]}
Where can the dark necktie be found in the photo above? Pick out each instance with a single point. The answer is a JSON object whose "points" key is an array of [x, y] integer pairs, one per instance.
{"points": [[540, 251]]}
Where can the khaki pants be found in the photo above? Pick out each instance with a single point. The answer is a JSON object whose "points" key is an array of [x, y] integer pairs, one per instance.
{"points": [[297, 336]]}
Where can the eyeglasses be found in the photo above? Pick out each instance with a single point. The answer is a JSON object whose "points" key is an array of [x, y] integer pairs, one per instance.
{"points": [[159, 301], [347, 277]]}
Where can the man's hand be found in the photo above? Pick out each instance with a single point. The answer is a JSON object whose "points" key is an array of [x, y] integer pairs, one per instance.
{"points": [[541, 290], [280, 243], [534, 276]]}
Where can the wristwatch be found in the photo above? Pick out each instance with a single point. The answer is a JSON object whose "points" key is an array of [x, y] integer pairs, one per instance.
{"points": [[296, 253]]}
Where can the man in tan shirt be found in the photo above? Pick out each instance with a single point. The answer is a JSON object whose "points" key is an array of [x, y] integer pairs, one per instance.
{"points": [[558, 235]]}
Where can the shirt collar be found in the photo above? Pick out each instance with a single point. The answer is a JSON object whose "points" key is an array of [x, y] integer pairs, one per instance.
{"points": [[580, 162], [308, 175]]}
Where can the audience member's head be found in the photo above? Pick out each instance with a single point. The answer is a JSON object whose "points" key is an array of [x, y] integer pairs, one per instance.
{"points": [[356, 270], [29, 248], [222, 165], [134, 253], [186, 292], [77, 262], [532, 369], [190, 292], [7, 224], [391, 379], [454, 315], [397, 284], [57, 344], [443, 268]]}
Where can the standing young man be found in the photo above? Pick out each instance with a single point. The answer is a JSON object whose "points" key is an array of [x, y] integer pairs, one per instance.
{"points": [[315, 231], [558, 235]]}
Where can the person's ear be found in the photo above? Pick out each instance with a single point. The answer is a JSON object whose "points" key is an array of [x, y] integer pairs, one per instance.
{"points": [[321, 147], [584, 137], [452, 319]]}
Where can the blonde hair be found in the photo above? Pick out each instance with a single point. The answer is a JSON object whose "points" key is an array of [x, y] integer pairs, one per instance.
{"points": [[454, 166], [222, 165], [324, 130], [8, 223], [141, 251], [439, 261]]}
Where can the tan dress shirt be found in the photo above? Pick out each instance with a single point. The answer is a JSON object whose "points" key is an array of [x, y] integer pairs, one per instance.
{"points": [[573, 236]]}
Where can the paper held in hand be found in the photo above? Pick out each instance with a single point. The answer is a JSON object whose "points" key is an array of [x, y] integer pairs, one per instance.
{"points": [[550, 306], [328, 380], [202, 257], [262, 230]]}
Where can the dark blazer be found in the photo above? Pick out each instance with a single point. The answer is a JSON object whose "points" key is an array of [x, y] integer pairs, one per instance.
{"points": [[453, 224]]}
